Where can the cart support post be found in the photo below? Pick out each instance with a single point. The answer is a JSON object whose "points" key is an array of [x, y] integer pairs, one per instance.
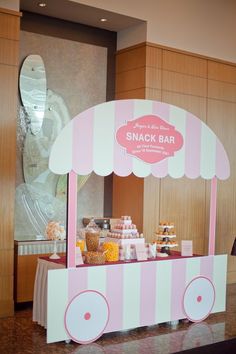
{"points": [[212, 226], [71, 218]]}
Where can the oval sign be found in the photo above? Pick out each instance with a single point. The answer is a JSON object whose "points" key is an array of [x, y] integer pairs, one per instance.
{"points": [[149, 138]]}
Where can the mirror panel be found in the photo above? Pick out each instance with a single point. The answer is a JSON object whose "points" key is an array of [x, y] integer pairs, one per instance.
{"points": [[33, 90]]}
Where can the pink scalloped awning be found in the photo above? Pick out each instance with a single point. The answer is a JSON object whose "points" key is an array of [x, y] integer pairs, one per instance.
{"points": [[142, 137]]}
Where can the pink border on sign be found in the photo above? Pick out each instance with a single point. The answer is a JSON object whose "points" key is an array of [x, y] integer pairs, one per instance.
{"points": [[101, 333], [189, 318]]}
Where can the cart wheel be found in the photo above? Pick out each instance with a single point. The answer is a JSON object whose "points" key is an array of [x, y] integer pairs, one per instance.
{"points": [[199, 299], [86, 316]]}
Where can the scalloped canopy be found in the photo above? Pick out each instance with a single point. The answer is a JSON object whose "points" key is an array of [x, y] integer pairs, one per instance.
{"points": [[142, 137]]}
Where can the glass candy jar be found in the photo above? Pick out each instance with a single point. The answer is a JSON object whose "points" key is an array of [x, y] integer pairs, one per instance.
{"points": [[92, 234]]}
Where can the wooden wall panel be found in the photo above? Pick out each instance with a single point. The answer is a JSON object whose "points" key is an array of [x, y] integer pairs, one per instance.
{"points": [[128, 198], [8, 52], [131, 59], [131, 94], [9, 36], [130, 80], [153, 57], [182, 83], [9, 24], [184, 63], [222, 90], [151, 207], [221, 72]]}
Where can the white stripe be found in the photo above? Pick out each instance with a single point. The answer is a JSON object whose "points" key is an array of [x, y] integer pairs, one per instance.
{"points": [[56, 305], [103, 138], [97, 279], [163, 291], [193, 266], [60, 160], [131, 296], [208, 151], [219, 281], [176, 164]]}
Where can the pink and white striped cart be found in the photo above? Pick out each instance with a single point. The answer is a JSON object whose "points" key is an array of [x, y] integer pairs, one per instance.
{"points": [[141, 137]]}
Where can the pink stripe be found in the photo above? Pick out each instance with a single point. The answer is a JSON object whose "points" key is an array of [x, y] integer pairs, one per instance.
{"points": [[124, 111], [114, 295], [192, 146], [177, 291], [83, 142], [148, 293], [207, 266], [71, 219], [77, 281], [163, 111], [212, 227], [222, 162]]}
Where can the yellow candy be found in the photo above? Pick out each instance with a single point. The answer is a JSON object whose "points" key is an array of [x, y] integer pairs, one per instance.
{"points": [[80, 244], [111, 250]]}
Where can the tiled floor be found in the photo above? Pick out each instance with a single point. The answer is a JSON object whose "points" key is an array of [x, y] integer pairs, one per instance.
{"points": [[19, 335]]}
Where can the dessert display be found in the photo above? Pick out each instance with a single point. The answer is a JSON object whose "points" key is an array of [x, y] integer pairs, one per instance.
{"points": [[125, 232], [166, 236]]}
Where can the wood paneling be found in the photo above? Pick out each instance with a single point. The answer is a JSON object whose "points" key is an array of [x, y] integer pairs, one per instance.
{"points": [[182, 83], [8, 52], [6, 262], [25, 270], [151, 207], [9, 35], [136, 93], [6, 296], [130, 80], [153, 57], [182, 201], [128, 198], [222, 91], [221, 72], [9, 25], [185, 64], [132, 59], [153, 78]]}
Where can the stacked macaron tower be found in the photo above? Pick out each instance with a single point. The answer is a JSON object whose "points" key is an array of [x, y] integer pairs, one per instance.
{"points": [[125, 232], [166, 237]]}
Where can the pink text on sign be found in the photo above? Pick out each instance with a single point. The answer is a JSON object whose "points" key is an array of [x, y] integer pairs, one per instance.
{"points": [[149, 138]]}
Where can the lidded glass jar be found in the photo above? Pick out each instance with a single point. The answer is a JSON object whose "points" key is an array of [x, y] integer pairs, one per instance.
{"points": [[92, 234]]}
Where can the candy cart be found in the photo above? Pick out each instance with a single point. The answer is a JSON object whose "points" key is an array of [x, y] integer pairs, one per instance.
{"points": [[142, 137]]}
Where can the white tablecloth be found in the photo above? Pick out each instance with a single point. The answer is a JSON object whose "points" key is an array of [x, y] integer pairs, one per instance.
{"points": [[40, 291]]}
